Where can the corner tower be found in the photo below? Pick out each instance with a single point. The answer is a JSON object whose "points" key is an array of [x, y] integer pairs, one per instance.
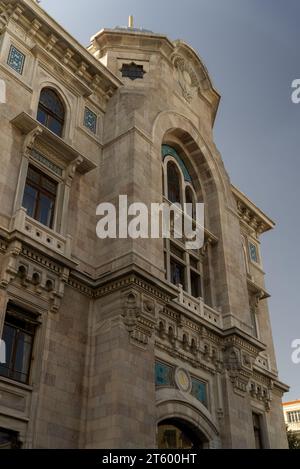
{"points": [[207, 334]]}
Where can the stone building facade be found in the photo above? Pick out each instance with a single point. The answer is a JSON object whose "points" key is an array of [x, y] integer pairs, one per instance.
{"points": [[123, 343]]}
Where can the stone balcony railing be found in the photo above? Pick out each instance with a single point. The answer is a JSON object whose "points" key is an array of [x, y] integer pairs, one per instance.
{"points": [[43, 235], [197, 306]]}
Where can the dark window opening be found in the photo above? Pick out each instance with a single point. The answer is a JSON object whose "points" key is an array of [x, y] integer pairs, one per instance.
{"points": [[174, 192], [196, 285], [177, 273], [9, 439], [18, 335], [133, 71], [257, 427], [51, 112], [40, 197]]}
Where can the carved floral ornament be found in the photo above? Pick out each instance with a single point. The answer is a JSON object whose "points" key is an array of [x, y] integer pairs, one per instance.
{"points": [[187, 78]]}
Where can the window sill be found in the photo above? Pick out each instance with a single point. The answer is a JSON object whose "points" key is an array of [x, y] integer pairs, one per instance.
{"points": [[16, 384], [64, 151]]}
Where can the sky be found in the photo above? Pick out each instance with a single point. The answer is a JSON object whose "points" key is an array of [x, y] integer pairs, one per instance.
{"points": [[251, 50]]}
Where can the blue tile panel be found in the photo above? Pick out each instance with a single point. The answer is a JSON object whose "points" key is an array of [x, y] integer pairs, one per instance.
{"points": [[253, 252], [16, 60], [199, 391], [163, 374], [90, 120]]}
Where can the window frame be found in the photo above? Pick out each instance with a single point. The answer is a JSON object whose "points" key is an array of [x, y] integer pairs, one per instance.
{"points": [[169, 255], [41, 191], [49, 113], [258, 430], [14, 313]]}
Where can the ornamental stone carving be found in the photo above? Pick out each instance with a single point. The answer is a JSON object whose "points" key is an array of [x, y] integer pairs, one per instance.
{"points": [[187, 78]]}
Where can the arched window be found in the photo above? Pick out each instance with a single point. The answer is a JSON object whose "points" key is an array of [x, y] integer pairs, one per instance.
{"points": [[51, 111], [182, 267], [174, 186]]}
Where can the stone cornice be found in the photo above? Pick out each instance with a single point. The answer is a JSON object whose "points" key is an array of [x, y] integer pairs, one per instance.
{"points": [[50, 36], [33, 130], [255, 218]]}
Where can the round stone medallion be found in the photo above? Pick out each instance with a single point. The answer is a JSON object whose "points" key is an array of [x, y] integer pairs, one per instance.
{"points": [[183, 380]]}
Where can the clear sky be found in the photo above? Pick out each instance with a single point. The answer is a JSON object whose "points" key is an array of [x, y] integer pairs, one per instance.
{"points": [[251, 49]]}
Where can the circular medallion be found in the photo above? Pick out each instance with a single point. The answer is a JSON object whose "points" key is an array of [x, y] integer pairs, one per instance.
{"points": [[183, 380]]}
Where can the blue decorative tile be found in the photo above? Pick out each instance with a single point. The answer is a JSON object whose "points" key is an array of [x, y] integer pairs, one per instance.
{"points": [[90, 120], [16, 60], [253, 252], [199, 391], [163, 374]]}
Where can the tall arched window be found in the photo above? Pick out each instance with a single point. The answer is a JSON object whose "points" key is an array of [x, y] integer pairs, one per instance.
{"points": [[174, 186], [51, 111], [182, 267]]}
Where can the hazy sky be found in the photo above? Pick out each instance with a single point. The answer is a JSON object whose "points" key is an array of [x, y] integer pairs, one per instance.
{"points": [[251, 49]]}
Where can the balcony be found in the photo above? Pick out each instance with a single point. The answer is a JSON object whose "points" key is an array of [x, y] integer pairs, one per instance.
{"points": [[197, 306], [41, 234]]}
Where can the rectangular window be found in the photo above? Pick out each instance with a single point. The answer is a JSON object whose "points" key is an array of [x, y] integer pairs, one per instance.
{"points": [[40, 197], [196, 285], [16, 60], [90, 120], [294, 417], [257, 428], [18, 335], [177, 273]]}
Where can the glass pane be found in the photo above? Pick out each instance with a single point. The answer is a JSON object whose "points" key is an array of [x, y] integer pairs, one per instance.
{"points": [[51, 101], [42, 116], [30, 200], [46, 207], [33, 175], [177, 274], [48, 185], [55, 126], [22, 356], [173, 184], [8, 337]]}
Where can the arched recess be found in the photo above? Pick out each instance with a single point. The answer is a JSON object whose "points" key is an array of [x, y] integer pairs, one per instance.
{"points": [[210, 179], [172, 406]]}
